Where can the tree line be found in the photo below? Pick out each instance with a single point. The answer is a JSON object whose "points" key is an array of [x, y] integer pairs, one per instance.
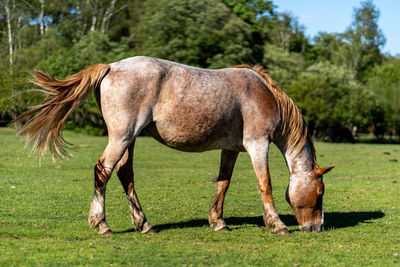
{"points": [[336, 79]]}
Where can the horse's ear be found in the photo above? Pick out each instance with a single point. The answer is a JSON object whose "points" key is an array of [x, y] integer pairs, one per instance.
{"points": [[320, 171]]}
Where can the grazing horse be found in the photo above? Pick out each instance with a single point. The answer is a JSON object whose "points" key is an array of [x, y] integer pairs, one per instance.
{"points": [[190, 109]]}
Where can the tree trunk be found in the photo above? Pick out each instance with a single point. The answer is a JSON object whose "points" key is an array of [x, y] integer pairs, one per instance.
{"points": [[95, 12], [80, 6], [285, 40], [355, 62], [107, 16], [94, 20], [41, 16], [10, 40]]}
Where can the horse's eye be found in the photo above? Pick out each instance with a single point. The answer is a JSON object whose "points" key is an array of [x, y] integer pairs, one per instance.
{"points": [[320, 191]]}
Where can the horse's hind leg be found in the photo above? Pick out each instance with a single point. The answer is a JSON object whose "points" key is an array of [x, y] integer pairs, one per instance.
{"points": [[102, 173], [125, 175], [228, 159], [258, 151]]}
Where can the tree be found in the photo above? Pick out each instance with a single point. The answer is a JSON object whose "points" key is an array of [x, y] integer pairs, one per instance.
{"points": [[197, 32], [327, 96], [8, 11], [339, 79], [327, 47], [9, 34], [11, 12], [250, 11], [75, 18], [285, 31], [363, 40], [384, 83], [91, 49], [283, 66]]}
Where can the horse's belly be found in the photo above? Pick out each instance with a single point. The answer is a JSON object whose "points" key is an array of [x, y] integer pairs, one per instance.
{"points": [[197, 136]]}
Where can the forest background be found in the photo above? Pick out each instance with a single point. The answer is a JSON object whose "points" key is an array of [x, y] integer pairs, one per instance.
{"points": [[336, 79]]}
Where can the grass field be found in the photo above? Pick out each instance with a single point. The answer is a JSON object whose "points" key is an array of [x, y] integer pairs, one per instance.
{"points": [[44, 208]]}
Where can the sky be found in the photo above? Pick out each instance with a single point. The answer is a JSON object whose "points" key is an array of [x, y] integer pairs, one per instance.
{"points": [[337, 15]]}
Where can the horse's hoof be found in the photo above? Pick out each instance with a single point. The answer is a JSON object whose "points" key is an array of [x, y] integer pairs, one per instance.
{"points": [[150, 231], [219, 226], [282, 231], [106, 232]]}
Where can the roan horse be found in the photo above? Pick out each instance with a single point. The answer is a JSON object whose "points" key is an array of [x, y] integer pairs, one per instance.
{"points": [[191, 109]]}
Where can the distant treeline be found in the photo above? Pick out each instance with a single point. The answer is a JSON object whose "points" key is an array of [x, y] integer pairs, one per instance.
{"points": [[336, 79]]}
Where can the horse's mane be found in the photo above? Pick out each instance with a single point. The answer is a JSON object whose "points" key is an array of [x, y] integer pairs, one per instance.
{"points": [[293, 126]]}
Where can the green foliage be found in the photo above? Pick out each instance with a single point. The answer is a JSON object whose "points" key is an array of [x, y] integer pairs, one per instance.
{"points": [[201, 33], [72, 35], [358, 48], [384, 83], [327, 47], [91, 49], [363, 39], [50, 43], [44, 209], [250, 10], [286, 32], [283, 66], [327, 96]]}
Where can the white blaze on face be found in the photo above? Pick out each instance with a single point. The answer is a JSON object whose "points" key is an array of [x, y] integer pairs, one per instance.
{"points": [[322, 219]]}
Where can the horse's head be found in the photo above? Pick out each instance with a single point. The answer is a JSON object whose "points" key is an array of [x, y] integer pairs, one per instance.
{"points": [[304, 194]]}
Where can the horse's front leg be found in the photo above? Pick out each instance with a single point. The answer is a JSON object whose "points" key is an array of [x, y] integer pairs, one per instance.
{"points": [[125, 175], [228, 159], [259, 156]]}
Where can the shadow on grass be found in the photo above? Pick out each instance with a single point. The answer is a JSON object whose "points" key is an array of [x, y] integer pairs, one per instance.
{"points": [[333, 220], [349, 219]]}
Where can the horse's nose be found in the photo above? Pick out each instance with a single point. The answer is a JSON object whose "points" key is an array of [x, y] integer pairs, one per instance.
{"points": [[317, 227], [305, 228], [312, 228]]}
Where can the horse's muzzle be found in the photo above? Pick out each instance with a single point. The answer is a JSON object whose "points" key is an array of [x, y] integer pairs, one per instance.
{"points": [[312, 228]]}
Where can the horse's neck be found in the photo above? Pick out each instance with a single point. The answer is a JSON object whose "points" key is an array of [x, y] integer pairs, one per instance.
{"points": [[302, 161]]}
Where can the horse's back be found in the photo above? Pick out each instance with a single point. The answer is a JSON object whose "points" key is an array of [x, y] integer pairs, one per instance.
{"points": [[187, 108]]}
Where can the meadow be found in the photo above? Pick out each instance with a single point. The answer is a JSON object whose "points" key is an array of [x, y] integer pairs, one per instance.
{"points": [[44, 207]]}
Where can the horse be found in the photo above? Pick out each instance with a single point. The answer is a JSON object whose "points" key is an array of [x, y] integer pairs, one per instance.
{"points": [[236, 109]]}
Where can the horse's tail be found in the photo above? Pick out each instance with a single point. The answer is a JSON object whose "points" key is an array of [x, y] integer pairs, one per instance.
{"points": [[43, 129]]}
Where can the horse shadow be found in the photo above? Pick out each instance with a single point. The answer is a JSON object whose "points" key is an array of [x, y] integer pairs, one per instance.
{"points": [[334, 220]]}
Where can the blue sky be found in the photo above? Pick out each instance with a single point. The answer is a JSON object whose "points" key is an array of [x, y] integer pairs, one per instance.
{"points": [[336, 15]]}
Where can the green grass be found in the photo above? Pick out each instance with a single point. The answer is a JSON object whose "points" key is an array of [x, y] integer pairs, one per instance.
{"points": [[44, 208]]}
